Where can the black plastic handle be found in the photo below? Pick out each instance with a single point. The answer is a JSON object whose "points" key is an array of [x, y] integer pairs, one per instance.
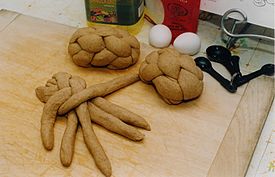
{"points": [[224, 82], [267, 69], [246, 78]]}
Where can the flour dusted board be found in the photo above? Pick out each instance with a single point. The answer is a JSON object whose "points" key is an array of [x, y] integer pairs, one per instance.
{"points": [[259, 12], [185, 139]]}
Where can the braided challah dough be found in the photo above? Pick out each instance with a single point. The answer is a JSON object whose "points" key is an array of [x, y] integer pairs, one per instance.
{"points": [[104, 46], [175, 77]]}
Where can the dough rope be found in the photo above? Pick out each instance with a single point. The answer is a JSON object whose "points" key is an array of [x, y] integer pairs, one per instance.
{"points": [[97, 90], [100, 46], [91, 141], [121, 113], [62, 80], [49, 116], [113, 124], [68, 139]]}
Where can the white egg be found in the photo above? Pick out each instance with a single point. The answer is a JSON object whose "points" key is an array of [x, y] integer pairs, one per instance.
{"points": [[188, 43], [160, 36]]}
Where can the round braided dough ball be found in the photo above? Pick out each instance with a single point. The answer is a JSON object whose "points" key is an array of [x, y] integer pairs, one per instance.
{"points": [[175, 77], [104, 46]]}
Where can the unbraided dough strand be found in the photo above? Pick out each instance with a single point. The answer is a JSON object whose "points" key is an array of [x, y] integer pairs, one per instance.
{"points": [[89, 136], [49, 115], [121, 113], [68, 139], [113, 123], [102, 89]]}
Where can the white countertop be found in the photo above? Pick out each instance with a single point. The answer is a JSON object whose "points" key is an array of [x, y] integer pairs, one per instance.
{"points": [[254, 54]]}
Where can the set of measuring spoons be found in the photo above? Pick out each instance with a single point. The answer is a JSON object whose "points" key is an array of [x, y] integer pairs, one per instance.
{"points": [[223, 56]]}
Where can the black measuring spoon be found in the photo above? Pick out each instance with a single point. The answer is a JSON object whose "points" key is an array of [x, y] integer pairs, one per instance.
{"points": [[205, 65], [267, 69], [223, 56]]}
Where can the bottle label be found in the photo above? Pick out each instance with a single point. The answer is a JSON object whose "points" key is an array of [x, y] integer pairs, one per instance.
{"points": [[121, 12], [103, 11]]}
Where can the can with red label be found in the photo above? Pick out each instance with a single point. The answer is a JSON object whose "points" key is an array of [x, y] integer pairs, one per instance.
{"points": [[179, 15]]}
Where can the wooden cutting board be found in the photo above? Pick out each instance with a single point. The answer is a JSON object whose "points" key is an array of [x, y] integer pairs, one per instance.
{"points": [[214, 135]]}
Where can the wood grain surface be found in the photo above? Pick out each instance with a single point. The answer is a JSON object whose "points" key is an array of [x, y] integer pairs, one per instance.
{"points": [[239, 142], [184, 141]]}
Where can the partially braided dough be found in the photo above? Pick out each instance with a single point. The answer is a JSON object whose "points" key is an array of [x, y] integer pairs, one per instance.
{"points": [[104, 46], [175, 77], [112, 117]]}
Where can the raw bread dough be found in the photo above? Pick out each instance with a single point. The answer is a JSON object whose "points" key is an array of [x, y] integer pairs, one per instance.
{"points": [[104, 46], [110, 116], [175, 77]]}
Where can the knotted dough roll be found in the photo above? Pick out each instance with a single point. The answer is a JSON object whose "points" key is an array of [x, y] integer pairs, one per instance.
{"points": [[104, 46], [175, 77]]}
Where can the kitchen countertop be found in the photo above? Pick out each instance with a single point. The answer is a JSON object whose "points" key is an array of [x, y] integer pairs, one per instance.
{"points": [[254, 54]]}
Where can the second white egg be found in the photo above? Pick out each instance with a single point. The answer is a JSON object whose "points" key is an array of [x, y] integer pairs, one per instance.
{"points": [[188, 43]]}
